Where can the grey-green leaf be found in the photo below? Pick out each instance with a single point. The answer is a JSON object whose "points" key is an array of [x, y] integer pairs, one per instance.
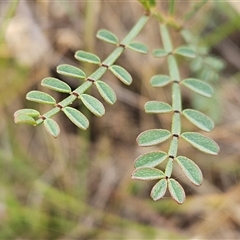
{"points": [[76, 117], [93, 104], [185, 51], [199, 119], [147, 174], [23, 118], [159, 53], [87, 57], [159, 189], [201, 142], [56, 85], [152, 137], [70, 71], [176, 191], [151, 159], [106, 92], [198, 86], [191, 170], [121, 74], [157, 107], [107, 36], [160, 80], [52, 127], [26, 111], [138, 47], [40, 97]]}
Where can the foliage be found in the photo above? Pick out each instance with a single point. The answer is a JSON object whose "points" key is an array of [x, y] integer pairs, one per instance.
{"points": [[147, 165]]}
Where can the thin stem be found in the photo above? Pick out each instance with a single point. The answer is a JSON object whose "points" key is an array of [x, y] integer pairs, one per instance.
{"points": [[194, 10], [100, 71], [171, 7], [176, 99]]}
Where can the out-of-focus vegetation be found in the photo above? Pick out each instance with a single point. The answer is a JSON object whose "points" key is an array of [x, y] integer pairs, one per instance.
{"points": [[79, 185]]}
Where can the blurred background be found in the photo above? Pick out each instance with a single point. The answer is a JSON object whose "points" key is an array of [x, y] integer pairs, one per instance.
{"points": [[79, 185]]}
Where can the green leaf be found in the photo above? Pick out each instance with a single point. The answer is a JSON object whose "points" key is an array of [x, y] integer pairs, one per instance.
{"points": [[121, 74], [151, 159], [56, 84], [138, 47], [87, 57], [106, 92], [76, 117], [70, 71], [160, 80], [159, 189], [198, 86], [185, 51], [159, 53], [26, 111], [93, 104], [176, 191], [152, 137], [191, 170], [199, 119], [147, 174], [157, 107], [52, 127], [23, 118], [40, 97], [201, 142], [107, 36]]}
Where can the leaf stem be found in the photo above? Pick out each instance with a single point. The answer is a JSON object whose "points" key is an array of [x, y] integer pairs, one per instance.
{"points": [[100, 71]]}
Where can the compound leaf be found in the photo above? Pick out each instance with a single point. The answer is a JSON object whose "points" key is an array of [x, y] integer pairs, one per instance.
{"points": [[56, 84], [198, 86], [87, 57], [23, 118], [151, 159], [152, 137], [191, 170], [159, 189], [176, 191], [40, 97], [201, 142], [28, 112], [185, 51], [199, 119], [160, 80], [76, 117], [138, 47], [106, 92], [121, 74], [107, 36], [52, 127], [157, 107], [93, 104], [70, 71], [159, 53], [147, 174]]}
